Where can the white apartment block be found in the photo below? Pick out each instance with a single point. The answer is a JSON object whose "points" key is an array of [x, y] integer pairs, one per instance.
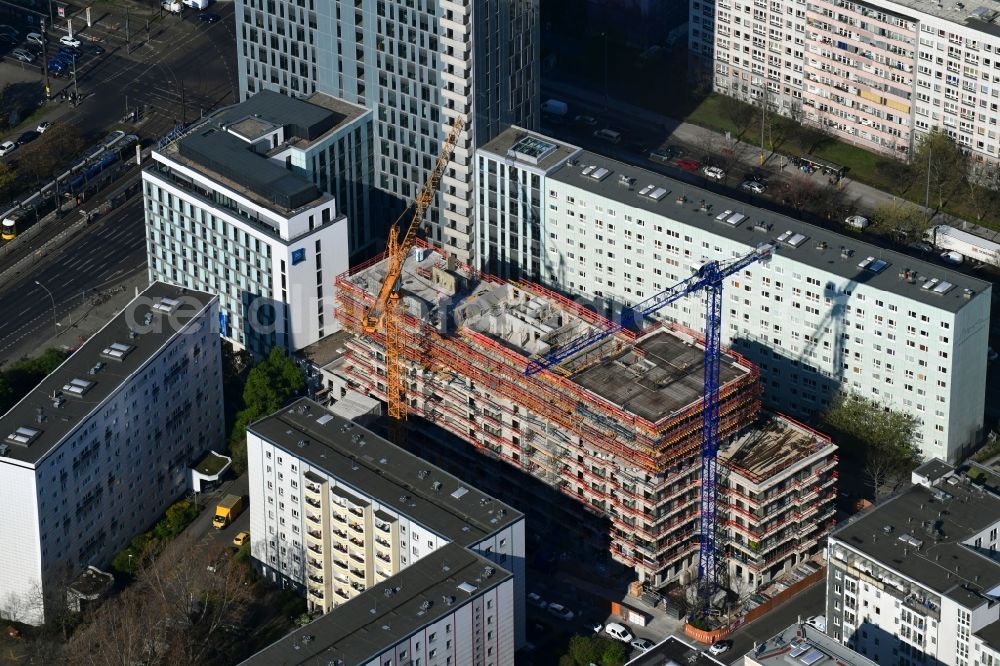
{"points": [[417, 66], [915, 580], [225, 214], [97, 451], [828, 312], [338, 513], [877, 74]]}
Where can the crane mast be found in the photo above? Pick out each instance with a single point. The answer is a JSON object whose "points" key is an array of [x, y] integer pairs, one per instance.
{"points": [[709, 277], [383, 313]]}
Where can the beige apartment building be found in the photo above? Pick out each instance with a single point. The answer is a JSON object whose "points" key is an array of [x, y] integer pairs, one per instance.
{"points": [[877, 74]]}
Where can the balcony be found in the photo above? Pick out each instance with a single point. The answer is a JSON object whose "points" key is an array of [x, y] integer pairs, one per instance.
{"points": [[313, 502], [382, 572], [340, 563], [342, 594], [360, 543], [357, 558], [339, 547], [357, 527], [315, 535], [383, 557], [382, 542], [383, 526], [358, 573], [313, 518], [318, 580], [315, 564], [312, 488], [358, 586], [341, 534], [340, 518], [318, 594], [357, 512], [316, 549]]}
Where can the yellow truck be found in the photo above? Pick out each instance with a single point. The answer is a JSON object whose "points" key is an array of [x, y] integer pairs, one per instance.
{"points": [[228, 509]]}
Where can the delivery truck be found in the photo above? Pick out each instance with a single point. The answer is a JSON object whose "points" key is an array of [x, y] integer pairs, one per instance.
{"points": [[228, 509]]}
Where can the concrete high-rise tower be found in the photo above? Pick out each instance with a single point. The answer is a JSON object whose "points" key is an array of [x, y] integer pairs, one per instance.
{"points": [[417, 64]]}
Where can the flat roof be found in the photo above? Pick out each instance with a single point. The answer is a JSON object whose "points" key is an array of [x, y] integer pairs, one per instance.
{"points": [[933, 469], [665, 377], [775, 444], [920, 534], [529, 148], [96, 370], [818, 248], [394, 477], [803, 645], [990, 634], [387, 613], [305, 120], [674, 652], [956, 11], [328, 349]]}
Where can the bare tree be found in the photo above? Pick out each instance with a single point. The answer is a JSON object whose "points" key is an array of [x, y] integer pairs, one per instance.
{"points": [[940, 165], [125, 630], [881, 471], [740, 114]]}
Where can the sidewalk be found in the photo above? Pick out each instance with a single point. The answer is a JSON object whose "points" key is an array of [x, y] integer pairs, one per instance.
{"points": [[865, 196]]}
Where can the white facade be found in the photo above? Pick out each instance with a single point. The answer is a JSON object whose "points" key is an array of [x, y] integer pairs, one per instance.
{"points": [[102, 466], [812, 318], [914, 579], [878, 74], [272, 268], [334, 529]]}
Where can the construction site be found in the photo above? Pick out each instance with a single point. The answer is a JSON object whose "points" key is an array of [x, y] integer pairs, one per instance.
{"points": [[617, 428]]}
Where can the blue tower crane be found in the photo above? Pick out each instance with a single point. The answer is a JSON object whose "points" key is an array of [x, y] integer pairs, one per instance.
{"points": [[710, 277]]}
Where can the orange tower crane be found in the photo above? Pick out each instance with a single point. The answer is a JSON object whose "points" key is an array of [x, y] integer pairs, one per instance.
{"points": [[382, 314]]}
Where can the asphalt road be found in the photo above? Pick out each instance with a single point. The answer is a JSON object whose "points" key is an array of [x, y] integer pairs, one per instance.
{"points": [[803, 606], [179, 69], [114, 247]]}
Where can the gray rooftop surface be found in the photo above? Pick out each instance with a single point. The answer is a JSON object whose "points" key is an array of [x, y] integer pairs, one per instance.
{"points": [[502, 146], [384, 471], [674, 378], [355, 635], [990, 635], [828, 259], [674, 651], [306, 119], [327, 350], [933, 469], [941, 518], [794, 645], [61, 421]]}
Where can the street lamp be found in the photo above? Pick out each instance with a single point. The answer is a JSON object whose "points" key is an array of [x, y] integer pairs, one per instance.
{"points": [[55, 319]]}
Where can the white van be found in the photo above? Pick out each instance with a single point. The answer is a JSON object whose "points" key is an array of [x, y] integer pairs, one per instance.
{"points": [[608, 135], [173, 6], [196, 4]]}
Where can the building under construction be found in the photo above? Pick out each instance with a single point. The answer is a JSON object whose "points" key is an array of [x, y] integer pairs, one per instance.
{"points": [[617, 427]]}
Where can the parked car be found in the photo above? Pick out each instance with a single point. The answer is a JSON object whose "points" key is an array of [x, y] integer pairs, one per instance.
{"points": [[714, 172], [7, 147], [921, 246], [94, 49], [720, 647], [208, 17], [69, 55], [241, 538], [753, 186], [560, 611], [857, 221], [642, 644], [43, 126], [619, 631], [535, 600], [952, 257], [9, 30], [688, 165], [35, 38], [818, 621], [660, 155], [596, 627], [587, 121], [24, 55], [27, 137], [66, 40]]}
